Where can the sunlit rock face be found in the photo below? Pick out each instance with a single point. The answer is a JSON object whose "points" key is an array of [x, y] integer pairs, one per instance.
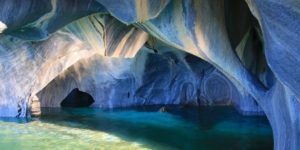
{"points": [[35, 64], [2, 27], [251, 52], [26, 67], [131, 11], [108, 36]]}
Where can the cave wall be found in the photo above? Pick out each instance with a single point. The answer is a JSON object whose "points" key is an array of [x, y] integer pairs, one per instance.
{"points": [[26, 67], [169, 76], [261, 60]]}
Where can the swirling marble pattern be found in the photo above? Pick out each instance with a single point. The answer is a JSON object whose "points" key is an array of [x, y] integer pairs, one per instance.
{"points": [[108, 36], [43, 60], [35, 20], [131, 11], [261, 60], [279, 22], [147, 79], [46, 59]]}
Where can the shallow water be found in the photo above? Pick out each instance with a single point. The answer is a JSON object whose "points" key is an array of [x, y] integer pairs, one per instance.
{"points": [[206, 128]]}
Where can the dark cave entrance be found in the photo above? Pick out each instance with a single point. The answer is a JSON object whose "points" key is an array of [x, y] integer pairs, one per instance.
{"points": [[77, 99], [246, 39]]}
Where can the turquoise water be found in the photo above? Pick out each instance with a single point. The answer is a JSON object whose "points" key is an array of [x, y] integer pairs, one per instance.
{"points": [[204, 128]]}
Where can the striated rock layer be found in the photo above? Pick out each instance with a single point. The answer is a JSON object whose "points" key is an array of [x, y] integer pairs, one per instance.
{"points": [[128, 53], [167, 77]]}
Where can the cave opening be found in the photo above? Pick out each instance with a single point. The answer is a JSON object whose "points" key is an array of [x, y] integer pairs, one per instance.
{"points": [[246, 39], [77, 99]]}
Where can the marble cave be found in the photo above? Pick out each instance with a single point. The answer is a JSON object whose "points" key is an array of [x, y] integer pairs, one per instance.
{"points": [[150, 74]]}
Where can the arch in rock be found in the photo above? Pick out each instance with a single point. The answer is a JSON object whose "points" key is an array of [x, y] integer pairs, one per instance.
{"points": [[197, 27], [77, 98], [35, 64]]}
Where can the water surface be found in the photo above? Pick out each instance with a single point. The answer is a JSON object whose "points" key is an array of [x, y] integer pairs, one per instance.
{"points": [[204, 128]]}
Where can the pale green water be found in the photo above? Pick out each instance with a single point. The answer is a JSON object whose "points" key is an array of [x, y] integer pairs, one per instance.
{"points": [[137, 128]]}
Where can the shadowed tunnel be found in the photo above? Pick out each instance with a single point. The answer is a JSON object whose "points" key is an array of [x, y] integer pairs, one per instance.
{"points": [[77, 99]]}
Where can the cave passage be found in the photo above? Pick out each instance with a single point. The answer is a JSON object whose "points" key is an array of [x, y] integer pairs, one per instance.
{"points": [[176, 55], [77, 98]]}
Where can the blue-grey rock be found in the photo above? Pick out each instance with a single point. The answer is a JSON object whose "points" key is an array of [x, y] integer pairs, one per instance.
{"points": [[251, 62], [167, 77], [35, 20], [131, 11]]}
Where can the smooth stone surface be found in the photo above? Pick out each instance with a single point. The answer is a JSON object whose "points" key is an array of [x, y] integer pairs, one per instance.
{"points": [[169, 77], [263, 65]]}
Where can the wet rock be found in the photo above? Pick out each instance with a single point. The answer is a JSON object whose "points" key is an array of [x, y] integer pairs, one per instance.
{"points": [[163, 109]]}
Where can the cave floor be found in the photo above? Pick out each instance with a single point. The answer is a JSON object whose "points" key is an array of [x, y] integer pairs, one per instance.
{"points": [[207, 128]]}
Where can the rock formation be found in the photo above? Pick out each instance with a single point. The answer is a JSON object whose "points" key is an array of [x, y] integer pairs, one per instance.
{"points": [[168, 77], [133, 52]]}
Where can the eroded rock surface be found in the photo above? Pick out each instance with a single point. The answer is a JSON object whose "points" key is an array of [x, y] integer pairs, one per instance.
{"points": [[167, 77], [251, 54]]}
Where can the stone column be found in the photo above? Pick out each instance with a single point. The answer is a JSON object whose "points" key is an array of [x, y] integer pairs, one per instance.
{"points": [[35, 107]]}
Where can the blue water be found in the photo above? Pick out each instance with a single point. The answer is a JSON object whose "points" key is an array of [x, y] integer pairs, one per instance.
{"points": [[204, 128]]}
